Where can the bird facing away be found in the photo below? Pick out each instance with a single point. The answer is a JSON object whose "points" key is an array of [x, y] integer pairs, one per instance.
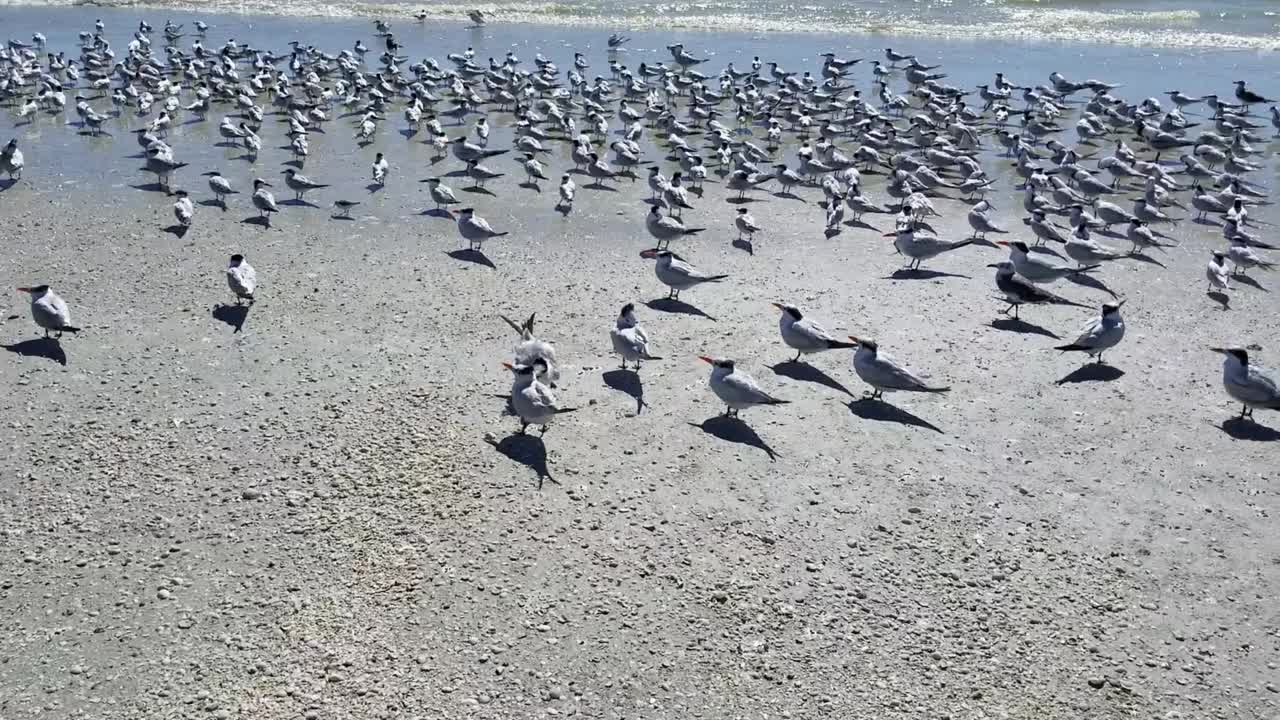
{"points": [[629, 339], [1100, 334], [241, 278]]}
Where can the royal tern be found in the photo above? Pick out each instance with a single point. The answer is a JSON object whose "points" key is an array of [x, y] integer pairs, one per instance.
{"points": [[746, 225], [441, 194], [919, 247], [805, 335], [1038, 269], [300, 184], [531, 348], [220, 186], [883, 373], [1019, 291], [629, 339], [475, 229], [1250, 385], [735, 388], [183, 209], [380, 169], [567, 191], [665, 228], [1218, 273], [263, 199], [241, 278], [11, 160], [1100, 334], [675, 273], [533, 401], [49, 310]]}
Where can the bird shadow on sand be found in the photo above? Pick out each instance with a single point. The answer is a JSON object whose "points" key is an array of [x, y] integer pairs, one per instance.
{"points": [[626, 381], [457, 173], [804, 372], [293, 163], [1043, 249], [743, 200], [152, 187], [1145, 258], [921, 274], [600, 186], [213, 203], [881, 411], [1223, 300], [731, 429], [744, 246], [437, 213], [232, 315], [1093, 372], [259, 220], [296, 202], [1018, 325], [45, 347], [478, 190], [1246, 429], [374, 187], [6, 184], [472, 256], [348, 218], [1090, 282], [1206, 221], [789, 196], [528, 450], [528, 185], [178, 231], [831, 232], [1246, 280], [862, 225], [677, 307]]}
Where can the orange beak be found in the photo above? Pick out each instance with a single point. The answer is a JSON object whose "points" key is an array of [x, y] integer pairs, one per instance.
{"points": [[851, 337], [649, 254], [1003, 242], [25, 290], [777, 305], [508, 366], [704, 358]]}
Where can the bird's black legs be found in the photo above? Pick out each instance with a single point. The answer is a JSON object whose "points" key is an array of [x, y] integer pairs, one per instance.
{"points": [[797, 357], [523, 426]]}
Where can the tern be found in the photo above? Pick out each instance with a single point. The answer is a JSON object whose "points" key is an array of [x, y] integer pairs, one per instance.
{"points": [[530, 348], [441, 194], [1087, 251], [183, 209], [220, 186], [1250, 385], [567, 190], [49, 310], [883, 373], [804, 335], [481, 174], [241, 278], [981, 222], [1019, 291], [1100, 334], [379, 170], [300, 184], [735, 388], [11, 161], [918, 248], [344, 207], [1217, 273], [675, 273], [629, 339], [746, 225], [263, 199], [475, 229], [533, 402], [1037, 269], [665, 228], [468, 151]]}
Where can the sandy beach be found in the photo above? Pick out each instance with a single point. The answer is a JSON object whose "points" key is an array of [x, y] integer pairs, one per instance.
{"points": [[319, 509]]}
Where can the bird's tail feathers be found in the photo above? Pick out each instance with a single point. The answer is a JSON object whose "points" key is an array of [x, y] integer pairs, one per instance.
{"points": [[716, 278], [68, 328], [840, 345], [1088, 268], [1071, 347]]}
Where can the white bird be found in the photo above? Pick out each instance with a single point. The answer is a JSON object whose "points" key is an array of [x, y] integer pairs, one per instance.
{"points": [[1250, 385], [531, 348], [533, 401], [1038, 269], [918, 247], [1218, 273], [629, 339], [263, 199], [441, 194], [475, 229], [665, 228], [49, 310], [567, 191], [805, 335], [746, 225], [220, 186], [1100, 334], [11, 160], [183, 209], [735, 388], [380, 168], [675, 273], [241, 278], [883, 373]]}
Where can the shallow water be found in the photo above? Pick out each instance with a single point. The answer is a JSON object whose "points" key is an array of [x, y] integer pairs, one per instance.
{"points": [[1251, 24], [57, 156]]}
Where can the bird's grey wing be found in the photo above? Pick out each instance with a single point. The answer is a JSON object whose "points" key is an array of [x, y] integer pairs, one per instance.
{"points": [[813, 330], [481, 224], [1091, 331], [894, 375], [746, 387]]}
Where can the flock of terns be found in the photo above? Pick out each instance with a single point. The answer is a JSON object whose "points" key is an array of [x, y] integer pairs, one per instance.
{"points": [[733, 124]]}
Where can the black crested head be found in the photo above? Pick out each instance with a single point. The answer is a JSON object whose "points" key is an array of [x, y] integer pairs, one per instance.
{"points": [[628, 309], [237, 259]]}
